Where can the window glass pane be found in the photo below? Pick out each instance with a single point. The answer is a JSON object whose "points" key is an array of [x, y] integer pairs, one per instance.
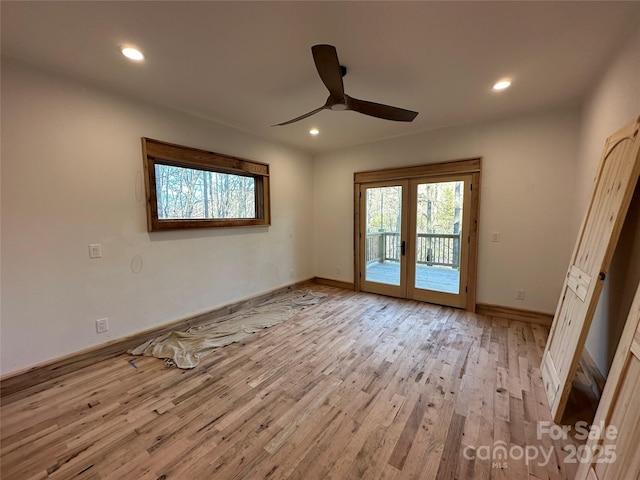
{"points": [[186, 193], [384, 222], [439, 230]]}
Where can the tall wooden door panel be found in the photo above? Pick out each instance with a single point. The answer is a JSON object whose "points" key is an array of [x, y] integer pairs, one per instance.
{"points": [[613, 189], [614, 454]]}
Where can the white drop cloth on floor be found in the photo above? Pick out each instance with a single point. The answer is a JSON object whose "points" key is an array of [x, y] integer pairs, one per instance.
{"points": [[186, 349]]}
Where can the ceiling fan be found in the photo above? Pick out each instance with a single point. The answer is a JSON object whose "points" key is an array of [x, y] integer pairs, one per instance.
{"points": [[331, 73]]}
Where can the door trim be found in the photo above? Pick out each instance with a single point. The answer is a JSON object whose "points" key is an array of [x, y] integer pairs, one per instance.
{"points": [[472, 166], [452, 167]]}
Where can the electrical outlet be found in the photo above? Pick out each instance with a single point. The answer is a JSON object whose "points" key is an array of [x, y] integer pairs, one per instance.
{"points": [[102, 325], [519, 294], [95, 250], [338, 270]]}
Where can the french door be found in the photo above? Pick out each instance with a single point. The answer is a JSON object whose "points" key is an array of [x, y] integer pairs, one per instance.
{"points": [[384, 263], [414, 238]]}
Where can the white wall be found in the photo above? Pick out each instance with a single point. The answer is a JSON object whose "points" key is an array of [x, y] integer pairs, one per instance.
{"points": [[614, 102], [527, 178], [71, 175]]}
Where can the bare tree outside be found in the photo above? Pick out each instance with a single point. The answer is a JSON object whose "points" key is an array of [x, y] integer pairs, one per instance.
{"points": [[438, 222], [439, 207], [187, 193]]}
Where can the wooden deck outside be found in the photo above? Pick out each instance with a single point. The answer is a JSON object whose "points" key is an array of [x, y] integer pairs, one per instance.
{"points": [[358, 386], [441, 279]]}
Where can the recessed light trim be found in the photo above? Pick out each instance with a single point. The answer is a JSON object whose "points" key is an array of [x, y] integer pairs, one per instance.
{"points": [[132, 54], [314, 131], [502, 84]]}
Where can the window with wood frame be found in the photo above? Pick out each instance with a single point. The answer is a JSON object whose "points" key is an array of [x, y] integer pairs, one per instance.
{"points": [[191, 188]]}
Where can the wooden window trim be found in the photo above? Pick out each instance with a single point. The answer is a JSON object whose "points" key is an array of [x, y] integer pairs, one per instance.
{"points": [[158, 152]]}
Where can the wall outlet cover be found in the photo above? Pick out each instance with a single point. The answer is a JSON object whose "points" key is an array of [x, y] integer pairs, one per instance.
{"points": [[102, 325], [95, 250]]}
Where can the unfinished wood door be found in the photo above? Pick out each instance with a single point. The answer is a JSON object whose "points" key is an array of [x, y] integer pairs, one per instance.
{"points": [[614, 185], [614, 455]]}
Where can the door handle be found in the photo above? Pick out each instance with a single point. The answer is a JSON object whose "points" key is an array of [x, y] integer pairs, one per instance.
{"points": [[402, 248]]}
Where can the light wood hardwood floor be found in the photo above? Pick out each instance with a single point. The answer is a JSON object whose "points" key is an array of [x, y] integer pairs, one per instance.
{"points": [[358, 386]]}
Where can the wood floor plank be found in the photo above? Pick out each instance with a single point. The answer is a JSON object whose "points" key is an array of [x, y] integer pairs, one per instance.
{"points": [[358, 386]]}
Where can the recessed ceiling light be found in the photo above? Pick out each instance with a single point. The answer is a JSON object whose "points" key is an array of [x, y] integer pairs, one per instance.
{"points": [[502, 84], [132, 54], [314, 131]]}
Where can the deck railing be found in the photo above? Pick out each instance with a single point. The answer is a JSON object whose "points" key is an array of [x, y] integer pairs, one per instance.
{"points": [[431, 248]]}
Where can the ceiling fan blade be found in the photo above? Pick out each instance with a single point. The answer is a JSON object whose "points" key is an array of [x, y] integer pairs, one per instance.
{"points": [[379, 110], [300, 117], [328, 66], [330, 71]]}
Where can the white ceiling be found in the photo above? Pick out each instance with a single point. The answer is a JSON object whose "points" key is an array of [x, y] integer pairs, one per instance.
{"points": [[249, 64]]}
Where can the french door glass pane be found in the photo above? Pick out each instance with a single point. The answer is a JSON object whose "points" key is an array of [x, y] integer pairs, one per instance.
{"points": [[382, 246], [439, 230]]}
